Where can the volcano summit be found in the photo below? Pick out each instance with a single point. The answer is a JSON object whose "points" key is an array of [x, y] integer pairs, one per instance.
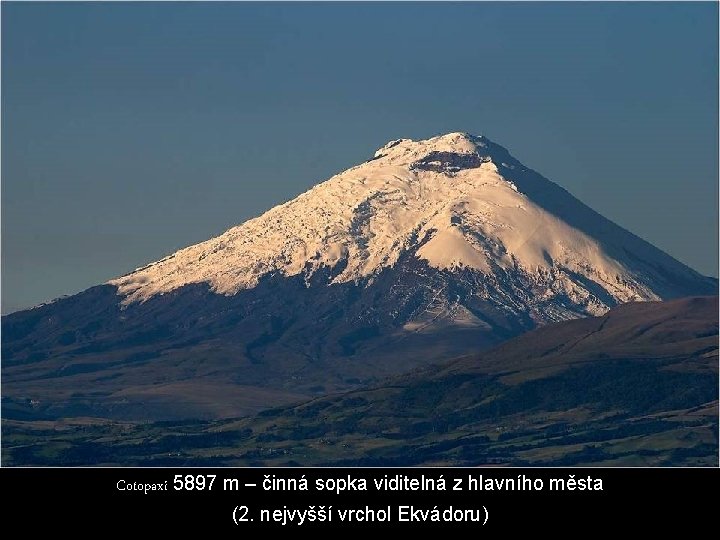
{"points": [[430, 249]]}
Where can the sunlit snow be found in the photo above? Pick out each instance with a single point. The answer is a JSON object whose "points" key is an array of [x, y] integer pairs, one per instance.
{"points": [[465, 216]]}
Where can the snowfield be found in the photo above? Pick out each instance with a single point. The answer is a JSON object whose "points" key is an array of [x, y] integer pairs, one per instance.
{"points": [[452, 201]]}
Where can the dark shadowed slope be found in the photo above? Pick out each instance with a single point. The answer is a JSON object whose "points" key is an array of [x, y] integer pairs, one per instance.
{"points": [[637, 386]]}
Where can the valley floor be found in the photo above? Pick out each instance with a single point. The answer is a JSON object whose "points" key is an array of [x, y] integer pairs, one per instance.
{"points": [[685, 437]]}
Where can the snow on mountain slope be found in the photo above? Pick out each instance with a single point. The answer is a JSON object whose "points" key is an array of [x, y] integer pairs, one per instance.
{"points": [[431, 250], [446, 200]]}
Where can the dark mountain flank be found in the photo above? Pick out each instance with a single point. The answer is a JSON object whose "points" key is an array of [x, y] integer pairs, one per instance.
{"points": [[636, 386]]}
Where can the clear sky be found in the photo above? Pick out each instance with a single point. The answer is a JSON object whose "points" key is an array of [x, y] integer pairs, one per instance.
{"points": [[130, 130]]}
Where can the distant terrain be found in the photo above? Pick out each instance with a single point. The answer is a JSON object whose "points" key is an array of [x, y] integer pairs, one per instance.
{"points": [[636, 386]]}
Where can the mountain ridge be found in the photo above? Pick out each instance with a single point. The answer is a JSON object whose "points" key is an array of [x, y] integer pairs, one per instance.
{"points": [[432, 249], [360, 221]]}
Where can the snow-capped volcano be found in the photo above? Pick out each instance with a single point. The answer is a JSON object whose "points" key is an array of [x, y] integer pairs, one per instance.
{"points": [[430, 250], [455, 201]]}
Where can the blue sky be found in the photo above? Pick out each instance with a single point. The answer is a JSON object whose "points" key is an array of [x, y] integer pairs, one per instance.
{"points": [[130, 130]]}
